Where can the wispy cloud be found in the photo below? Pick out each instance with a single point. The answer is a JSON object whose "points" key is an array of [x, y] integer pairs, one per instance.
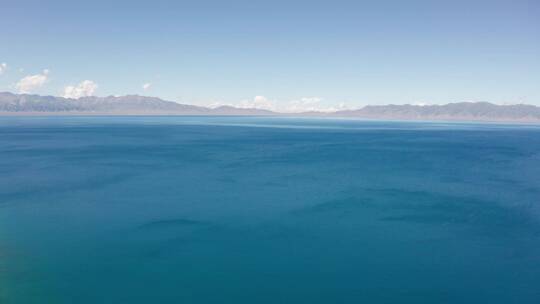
{"points": [[83, 89], [304, 104], [146, 86], [3, 67], [31, 82], [258, 102]]}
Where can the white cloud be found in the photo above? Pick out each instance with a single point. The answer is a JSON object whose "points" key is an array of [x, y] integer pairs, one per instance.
{"points": [[146, 86], [83, 89], [304, 104], [3, 67], [311, 100], [311, 104], [258, 102], [31, 82]]}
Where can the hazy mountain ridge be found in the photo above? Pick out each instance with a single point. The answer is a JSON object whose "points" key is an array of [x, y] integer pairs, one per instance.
{"points": [[484, 111], [121, 105], [21, 103], [13, 104]]}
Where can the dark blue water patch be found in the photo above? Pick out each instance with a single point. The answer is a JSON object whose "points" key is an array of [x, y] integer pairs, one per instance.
{"points": [[170, 223], [479, 217]]}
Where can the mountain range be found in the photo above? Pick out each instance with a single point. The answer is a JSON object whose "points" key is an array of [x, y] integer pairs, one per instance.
{"points": [[25, 104]]}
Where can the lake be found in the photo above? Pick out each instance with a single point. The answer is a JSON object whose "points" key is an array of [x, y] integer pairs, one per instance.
{"points": [[267, 210]]}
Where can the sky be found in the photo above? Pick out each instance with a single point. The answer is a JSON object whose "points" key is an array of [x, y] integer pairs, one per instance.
{"points": [[281, 55]]}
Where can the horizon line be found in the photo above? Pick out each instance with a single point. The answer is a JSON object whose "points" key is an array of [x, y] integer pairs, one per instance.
{"points": [[230, 105]]}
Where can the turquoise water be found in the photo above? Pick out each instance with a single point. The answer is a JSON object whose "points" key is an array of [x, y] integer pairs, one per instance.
{"points": [[267, 210]]}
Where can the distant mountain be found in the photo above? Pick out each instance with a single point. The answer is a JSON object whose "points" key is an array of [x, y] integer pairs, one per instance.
{"points": [[22, 104], [121, 105], [130, 104], [475, 111]]}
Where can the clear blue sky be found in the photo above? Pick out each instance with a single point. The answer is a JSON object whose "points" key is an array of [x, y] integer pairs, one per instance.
{"points": [[352, 52]]}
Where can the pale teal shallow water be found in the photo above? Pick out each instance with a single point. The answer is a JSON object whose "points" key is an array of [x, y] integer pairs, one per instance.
{"points": [[267, 210]]}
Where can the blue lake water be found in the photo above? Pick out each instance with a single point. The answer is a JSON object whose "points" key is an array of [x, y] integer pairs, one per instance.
{"points": [[267, 210]]}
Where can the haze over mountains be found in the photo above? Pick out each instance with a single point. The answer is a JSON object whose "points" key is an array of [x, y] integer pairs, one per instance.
{"points": [[120, 105], [24, 104]]}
